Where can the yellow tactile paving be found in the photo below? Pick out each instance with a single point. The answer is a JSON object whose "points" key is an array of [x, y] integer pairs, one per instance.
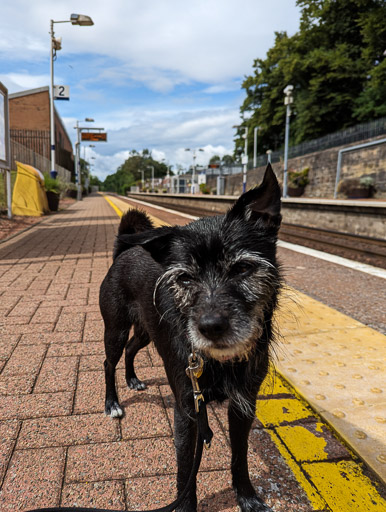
{"points": [[318, 342], [308, 449], [337, 364]]}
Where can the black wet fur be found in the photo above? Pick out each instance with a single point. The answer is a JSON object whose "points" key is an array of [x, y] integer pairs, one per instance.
{"points": [[214, 284]]}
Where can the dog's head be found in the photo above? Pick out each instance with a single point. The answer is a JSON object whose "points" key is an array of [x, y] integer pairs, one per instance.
{"points": [[222, 272]]}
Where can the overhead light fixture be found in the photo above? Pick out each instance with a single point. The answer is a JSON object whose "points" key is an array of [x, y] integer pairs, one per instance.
{"points": [[81, 19]]}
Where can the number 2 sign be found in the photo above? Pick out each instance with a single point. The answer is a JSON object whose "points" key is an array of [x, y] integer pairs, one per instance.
{"points": [[61, 92]]}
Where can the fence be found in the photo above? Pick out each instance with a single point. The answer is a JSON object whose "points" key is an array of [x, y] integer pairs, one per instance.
{"points": [[22, 154], [27, 156], [39, 142], [356, 133]]}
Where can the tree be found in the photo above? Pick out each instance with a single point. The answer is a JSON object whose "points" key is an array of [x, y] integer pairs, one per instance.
{"points": [[336, 66], [94, 180], [227, 160], [130, 172]]}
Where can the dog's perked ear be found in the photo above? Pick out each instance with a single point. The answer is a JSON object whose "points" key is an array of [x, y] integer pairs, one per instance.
{"points": [[156, 241], [262, 202]]}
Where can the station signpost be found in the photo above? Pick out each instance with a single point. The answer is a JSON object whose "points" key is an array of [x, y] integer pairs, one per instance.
{"points": [[5, 149]]}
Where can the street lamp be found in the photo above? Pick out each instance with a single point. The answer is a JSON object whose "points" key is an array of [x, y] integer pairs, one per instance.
{"points": [[193, 187], [152, 176], [255, 146], [244, 159], [287, 101], [78, 180], [84, 150], [168, 167], [143, 179], [56, 45]]}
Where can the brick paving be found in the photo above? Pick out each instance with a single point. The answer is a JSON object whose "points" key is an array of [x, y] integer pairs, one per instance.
{"points": [[57, 446]]}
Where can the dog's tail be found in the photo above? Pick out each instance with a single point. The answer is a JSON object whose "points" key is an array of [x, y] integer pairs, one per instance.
{"points": [[133, 221]]}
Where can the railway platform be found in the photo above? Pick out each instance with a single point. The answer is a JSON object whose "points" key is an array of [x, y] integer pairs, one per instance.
{"points": [[318, 442]]}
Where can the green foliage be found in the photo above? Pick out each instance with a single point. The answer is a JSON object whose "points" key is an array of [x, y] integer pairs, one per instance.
{"points": [[335, 63], [53, 184], [95, 181], [298, 178], [366, 181], [227, 160], [129, 173], [349, 186], [204, 189]]}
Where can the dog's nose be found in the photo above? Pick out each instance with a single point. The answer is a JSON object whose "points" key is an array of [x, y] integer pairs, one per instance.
{"points": [[213, 325]]}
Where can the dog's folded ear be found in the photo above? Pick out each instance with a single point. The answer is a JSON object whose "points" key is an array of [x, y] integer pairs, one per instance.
{"points": [[157, 241], [260, 203]]}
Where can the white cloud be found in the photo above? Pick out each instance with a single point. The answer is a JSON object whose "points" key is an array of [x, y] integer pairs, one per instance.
{"points": [[157, 75], [157, 43], [20, 81]]}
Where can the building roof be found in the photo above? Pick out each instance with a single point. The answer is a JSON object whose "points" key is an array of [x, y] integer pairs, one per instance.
{"points": [[38, 90], [28, 92]]}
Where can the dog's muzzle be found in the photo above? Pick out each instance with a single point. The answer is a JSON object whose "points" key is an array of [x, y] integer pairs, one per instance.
{"points": [[213, 325]]}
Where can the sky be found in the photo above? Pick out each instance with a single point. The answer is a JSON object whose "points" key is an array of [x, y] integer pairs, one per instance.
{"points": [[164, 75]]}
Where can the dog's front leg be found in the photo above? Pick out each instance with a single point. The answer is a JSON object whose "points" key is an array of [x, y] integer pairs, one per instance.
{"points": [[239, 427], [185, 432]]}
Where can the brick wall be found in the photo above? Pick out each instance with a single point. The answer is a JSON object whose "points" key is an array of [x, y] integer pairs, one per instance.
{"points": [[30, 112], [29, 119]]}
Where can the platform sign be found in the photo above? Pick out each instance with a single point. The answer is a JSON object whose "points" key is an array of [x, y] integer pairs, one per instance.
{"points": [[5, 149], [4, 128], [94, 136], [61, 92]]}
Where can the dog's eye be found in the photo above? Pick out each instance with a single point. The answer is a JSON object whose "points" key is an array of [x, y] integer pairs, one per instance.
{"points": [[241, 268], [184, 279]]}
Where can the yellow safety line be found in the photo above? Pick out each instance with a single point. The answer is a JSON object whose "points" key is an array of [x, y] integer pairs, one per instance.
{"points": [[317, 502], [156, 222], [117, 210], [338, 486]]}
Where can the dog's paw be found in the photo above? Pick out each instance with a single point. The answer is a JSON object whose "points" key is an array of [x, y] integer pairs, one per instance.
{"points": [[113, 410], [136, 384], [253, 504]]}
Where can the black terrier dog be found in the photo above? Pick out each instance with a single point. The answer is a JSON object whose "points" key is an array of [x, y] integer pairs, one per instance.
{"points": [[210, 286]]}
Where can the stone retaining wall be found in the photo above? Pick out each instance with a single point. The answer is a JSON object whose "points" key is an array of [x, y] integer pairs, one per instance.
{"points": [[368, 161]]}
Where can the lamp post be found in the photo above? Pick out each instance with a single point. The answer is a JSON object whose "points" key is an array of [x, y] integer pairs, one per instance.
{"points": [[56, 45], [193, 187], [78, 180], [244, 159], [168, 178], [287, 101], [143, 179], [152, 176], [255, 146]]}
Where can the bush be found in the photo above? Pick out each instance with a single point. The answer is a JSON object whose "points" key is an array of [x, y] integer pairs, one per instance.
{"points": [[350, 187], [298, 179], [55, 185], [204, 189], [51, 184]]}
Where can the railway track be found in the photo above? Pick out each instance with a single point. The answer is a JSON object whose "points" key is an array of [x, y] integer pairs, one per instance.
{"points": [[371, 251], [354, 247]]}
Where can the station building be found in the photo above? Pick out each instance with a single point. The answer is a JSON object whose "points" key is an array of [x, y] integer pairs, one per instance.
{"points": [[29, 120]]}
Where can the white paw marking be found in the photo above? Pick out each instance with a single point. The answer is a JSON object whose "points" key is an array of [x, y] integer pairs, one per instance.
{"points": [[116, 412]]}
